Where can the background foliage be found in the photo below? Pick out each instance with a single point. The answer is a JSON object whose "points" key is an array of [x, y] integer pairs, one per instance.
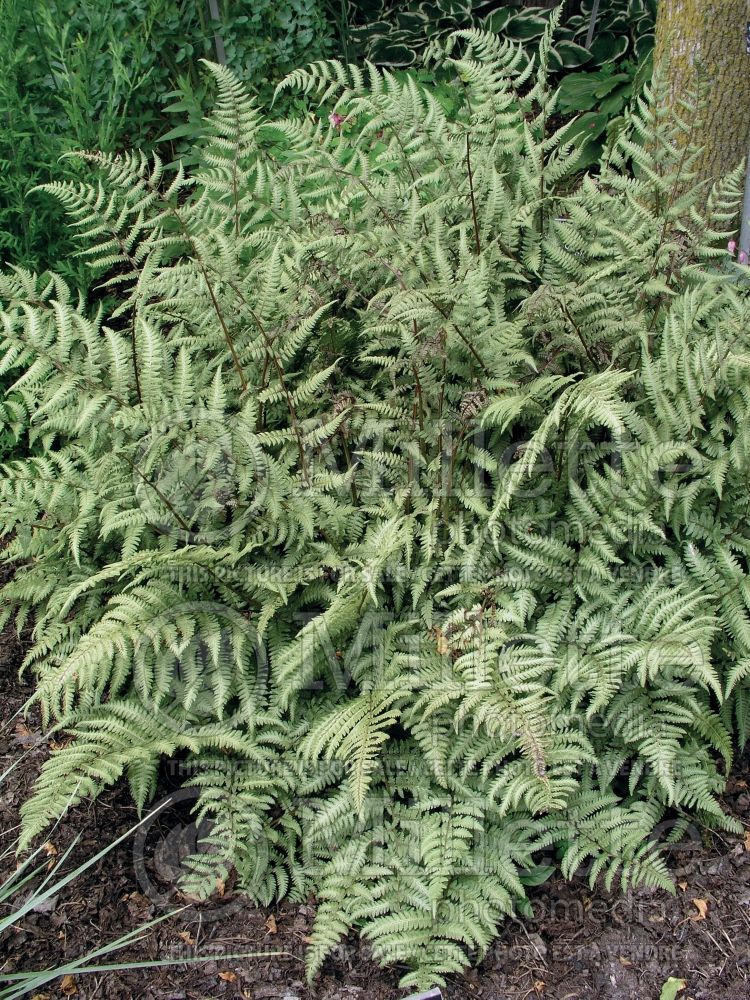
{"points": [[395, 34]]}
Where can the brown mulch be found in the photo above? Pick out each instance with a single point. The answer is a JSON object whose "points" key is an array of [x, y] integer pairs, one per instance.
{"points": [[581, 944]]}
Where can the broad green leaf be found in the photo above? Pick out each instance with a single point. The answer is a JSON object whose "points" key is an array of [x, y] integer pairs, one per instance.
{"points": [[524, 27], [497, 20], [608, 47], [571, 54], [671, 988]]}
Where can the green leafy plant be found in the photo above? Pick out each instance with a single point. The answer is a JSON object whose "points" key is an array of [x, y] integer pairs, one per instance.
{"points": [[621, 29], [402, 494], [396, 34], [598, 100], [82, 74], [266, 38], [391, 34], [671, 988], [90, 74], [611, 69]]}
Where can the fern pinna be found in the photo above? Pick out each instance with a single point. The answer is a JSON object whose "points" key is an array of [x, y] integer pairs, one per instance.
{"points": [[396, 479]]}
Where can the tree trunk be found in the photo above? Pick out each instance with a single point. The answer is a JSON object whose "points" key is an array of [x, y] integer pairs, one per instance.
{"points": [[709, 34]]}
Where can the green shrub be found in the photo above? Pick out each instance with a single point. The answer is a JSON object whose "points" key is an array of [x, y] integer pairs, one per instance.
{"points": [[402, 497]]}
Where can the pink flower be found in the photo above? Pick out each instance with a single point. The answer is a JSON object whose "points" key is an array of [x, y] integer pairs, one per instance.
{"points": [[336, 120], [731, 247], [742, 257]]}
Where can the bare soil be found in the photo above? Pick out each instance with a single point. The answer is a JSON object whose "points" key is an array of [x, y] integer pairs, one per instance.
{"points": [[581, 944]]}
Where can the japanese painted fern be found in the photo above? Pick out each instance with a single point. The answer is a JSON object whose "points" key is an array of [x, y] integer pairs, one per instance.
{"points": [[397, 480]]}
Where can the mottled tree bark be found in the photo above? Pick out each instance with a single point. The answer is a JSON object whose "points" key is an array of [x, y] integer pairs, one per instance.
{"points": [[709, 34]]}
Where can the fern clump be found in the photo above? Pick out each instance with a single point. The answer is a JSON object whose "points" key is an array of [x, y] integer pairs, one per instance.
{"points": [[397, 482]]}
